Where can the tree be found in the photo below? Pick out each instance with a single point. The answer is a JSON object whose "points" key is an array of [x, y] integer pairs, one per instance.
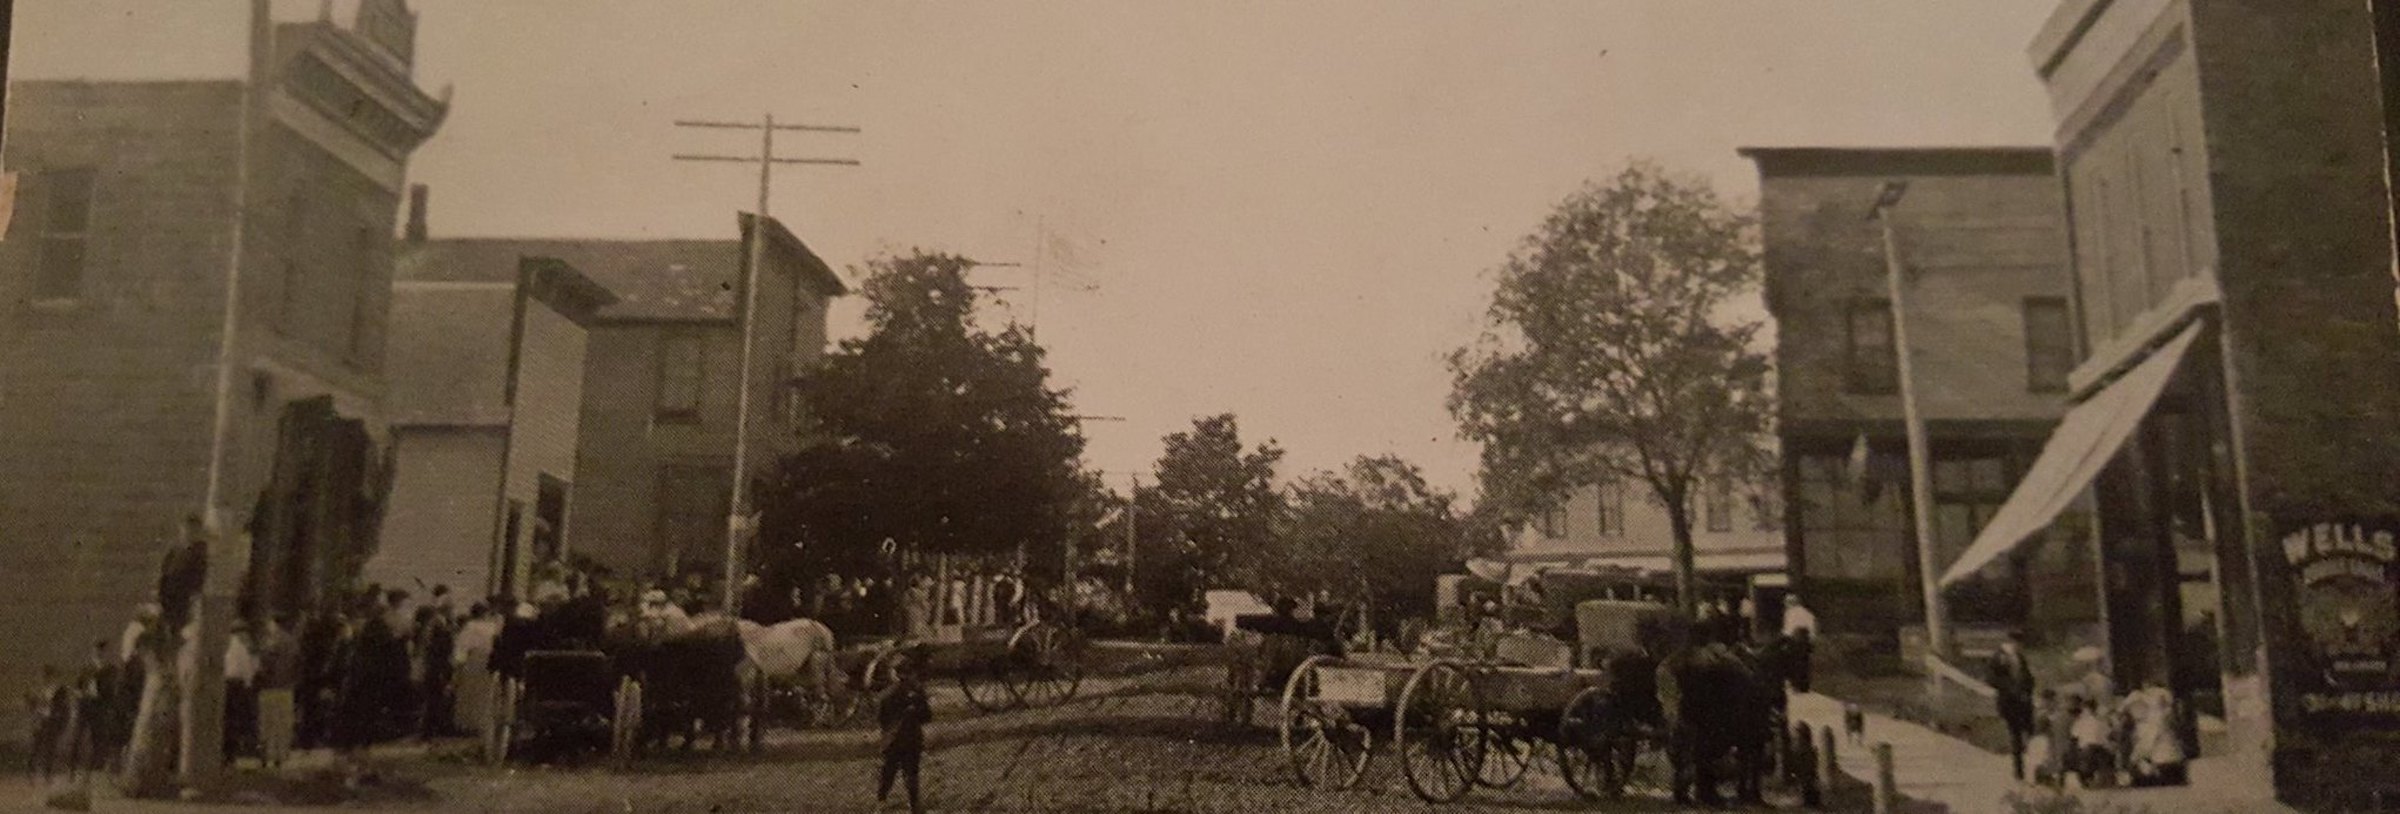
{"points": [[930, 432], [1211, 518], [1609, 353], [1375, 534]]}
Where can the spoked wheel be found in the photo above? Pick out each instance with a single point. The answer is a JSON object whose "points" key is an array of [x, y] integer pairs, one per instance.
{"points": [[1506, 758], [1328, 749], [986, 684], [1045, 665], [1585, 756], [1439, 732]]}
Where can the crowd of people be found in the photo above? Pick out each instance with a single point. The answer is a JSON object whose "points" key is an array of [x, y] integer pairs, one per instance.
{"points": [[2081, 734]]}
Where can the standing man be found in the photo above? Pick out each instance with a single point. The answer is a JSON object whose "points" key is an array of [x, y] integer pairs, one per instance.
{"points": [[2012, 686], [182, 574], [903, 713], [278, 674]]}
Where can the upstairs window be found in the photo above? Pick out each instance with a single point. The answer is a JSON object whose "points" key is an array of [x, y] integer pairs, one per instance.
{"points": [[1609, 513], [1554, 522], [681, 361], [66, 224], [1872, 367], [2049, 344], [1719, 514]]}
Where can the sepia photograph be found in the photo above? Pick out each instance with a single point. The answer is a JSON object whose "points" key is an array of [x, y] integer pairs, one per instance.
{"points": [[1315, 406]]}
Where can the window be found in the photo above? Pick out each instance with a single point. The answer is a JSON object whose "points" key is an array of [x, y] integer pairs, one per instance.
{"points": [[65, 226], [1719, 514], [692, 507], [1554, 522], [2049, 344], [1763, 516], [681, 361], [1872, 365], [1608, 514]]}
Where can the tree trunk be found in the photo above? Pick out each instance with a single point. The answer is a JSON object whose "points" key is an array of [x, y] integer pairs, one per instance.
{"points": [[150, 760], [1679, 518]]}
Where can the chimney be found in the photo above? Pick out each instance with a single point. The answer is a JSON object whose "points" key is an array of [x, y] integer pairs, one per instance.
{"points": [[416, 213]]}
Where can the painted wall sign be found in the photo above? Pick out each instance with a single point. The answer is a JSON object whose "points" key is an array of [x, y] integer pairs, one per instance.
{"points": [[2346, 588]]}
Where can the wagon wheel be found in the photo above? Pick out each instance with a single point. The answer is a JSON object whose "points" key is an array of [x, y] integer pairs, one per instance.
{"points": [[985, 682], [1327, 748], [1045, 665], [1584, 754], [1507, 755], [1439, 732]]}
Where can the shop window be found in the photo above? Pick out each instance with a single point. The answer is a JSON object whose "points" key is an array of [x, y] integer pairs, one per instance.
{"points": [[681, 371], [1872, 364], [65, 230], [2049, 344]]}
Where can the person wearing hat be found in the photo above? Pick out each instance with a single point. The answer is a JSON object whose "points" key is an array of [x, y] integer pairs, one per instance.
{"points": [[903, 713], [2012, 693]]}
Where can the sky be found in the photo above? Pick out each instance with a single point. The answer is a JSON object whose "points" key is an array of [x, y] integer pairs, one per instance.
{"points": [[1288, 211]]}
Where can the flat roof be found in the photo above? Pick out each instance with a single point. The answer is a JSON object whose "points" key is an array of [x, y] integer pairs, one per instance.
{"points": [[1988, 160]]}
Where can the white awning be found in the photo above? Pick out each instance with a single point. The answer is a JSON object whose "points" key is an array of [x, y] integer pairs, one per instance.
{"points": [[2083, 443]]}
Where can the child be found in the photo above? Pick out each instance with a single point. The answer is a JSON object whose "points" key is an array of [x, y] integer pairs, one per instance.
{"points": [[49, 707], [2045, 751], [2092, 737], [903, 713]]}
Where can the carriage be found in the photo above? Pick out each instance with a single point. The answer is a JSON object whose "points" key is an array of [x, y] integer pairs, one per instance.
{"points": [[1485, 716], [562, 702]]}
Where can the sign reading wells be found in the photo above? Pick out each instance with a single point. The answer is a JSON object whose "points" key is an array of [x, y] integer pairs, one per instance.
{"points": [[2346, 590]]}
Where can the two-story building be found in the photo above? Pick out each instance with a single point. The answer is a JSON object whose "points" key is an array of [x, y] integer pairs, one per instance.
{"points": [[487, 388], [1736, 533], [262, 153], [652, 481], [1989, 323], [2236, 413]]}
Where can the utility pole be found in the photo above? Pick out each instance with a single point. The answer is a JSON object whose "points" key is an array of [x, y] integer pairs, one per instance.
{"points": [[738, 520], [1133, 500], [200, 752], [1920, 475]]}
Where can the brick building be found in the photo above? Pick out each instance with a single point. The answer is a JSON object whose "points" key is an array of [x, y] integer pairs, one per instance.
{"points": [[1980, 232], [486, 402], [271, 150], [652, 472], [2237, 402]]}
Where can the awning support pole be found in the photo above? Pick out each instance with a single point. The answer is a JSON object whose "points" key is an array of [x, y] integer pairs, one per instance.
{"points": [[1920, 474]]}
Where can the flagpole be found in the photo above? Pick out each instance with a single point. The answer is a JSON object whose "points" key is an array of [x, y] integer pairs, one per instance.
{"points": [[1920, 475]]}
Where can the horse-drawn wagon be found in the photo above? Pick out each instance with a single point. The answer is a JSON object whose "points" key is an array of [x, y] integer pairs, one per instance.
{"points": [[1485, 712]]}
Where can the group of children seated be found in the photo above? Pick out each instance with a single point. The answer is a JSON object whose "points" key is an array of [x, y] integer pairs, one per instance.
{"points": [[2087, 742]]}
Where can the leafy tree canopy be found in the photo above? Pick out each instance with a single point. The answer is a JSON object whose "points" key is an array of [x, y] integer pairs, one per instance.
{"points": [[1609, 353], [931, 431]]}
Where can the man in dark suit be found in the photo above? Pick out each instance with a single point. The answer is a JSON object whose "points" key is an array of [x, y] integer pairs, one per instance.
{"points": [[2012, 685]]}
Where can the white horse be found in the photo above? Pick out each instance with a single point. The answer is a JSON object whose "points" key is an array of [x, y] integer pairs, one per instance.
{"points": [[798, 653]]}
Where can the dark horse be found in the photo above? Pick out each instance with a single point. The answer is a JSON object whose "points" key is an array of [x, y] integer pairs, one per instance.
{"points": [[1733, 704]]}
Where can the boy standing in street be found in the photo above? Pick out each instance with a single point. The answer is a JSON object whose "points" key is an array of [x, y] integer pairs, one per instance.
{"points": [[903, 713]]}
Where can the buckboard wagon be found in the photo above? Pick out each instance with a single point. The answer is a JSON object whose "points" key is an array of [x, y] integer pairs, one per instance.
{"points": [[1460, 723]]}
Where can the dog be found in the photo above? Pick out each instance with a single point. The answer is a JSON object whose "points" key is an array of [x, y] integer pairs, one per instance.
{"points": [[1854, 723]]}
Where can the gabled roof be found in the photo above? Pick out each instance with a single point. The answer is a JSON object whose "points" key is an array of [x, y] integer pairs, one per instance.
{"points": [[448, 357], [666, 280]]}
